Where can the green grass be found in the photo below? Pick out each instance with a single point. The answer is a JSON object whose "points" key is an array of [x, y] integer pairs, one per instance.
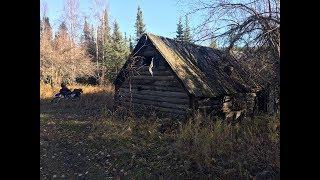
{"points": [[115, 145]]}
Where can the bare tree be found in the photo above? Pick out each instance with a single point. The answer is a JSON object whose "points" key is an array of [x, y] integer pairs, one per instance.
{"points": [[71, 10], [61, 59], [252, 22], [250, 31], [251, 26], [44, 9], [98, 9]]}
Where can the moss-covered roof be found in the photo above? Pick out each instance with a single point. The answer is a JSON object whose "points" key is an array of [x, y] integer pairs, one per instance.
{"points": [[203, 69]]}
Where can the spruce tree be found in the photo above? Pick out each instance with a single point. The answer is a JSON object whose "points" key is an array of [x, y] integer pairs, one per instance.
{"points": [[119, 52], [179, 31], [186, 34], [86, 31], [130, 44], [106, 26], [103, 40], [87, 41], [139, 25]]}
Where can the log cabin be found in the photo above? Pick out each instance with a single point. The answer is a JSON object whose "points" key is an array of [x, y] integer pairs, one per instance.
{"points": [[177, 78]]}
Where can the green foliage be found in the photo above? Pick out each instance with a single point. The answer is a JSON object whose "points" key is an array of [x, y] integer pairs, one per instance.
{"points": [[130, 44], [180, 32], [186, 32], [117, 54], [88, 41], [106, 26], [104, 39], [139, 25]]}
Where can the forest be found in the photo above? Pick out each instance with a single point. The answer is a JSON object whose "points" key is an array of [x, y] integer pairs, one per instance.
{"points": [[90, 138]]}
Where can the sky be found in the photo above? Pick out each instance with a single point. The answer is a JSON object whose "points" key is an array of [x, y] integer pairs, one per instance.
{"points": [[160, 16]]}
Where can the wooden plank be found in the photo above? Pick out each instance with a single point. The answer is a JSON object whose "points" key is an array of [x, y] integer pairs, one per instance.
{"points": [[163, 109], [155, 103], [160, 67], [158, 98], [149, 53], [159, 78], [148, 81], [153, 82], [156, 72], [205, 107], [150, 48], [154, 88], [160, 93]]}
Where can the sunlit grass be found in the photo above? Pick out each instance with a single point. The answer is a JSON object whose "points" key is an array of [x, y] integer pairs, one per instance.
{"points": [[141, 147], [46, 91]]}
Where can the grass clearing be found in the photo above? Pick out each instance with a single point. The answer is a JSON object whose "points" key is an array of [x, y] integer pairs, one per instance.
{"points": [[86, 139]]}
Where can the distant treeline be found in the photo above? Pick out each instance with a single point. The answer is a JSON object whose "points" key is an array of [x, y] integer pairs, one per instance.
{"points": [[95, 56]]}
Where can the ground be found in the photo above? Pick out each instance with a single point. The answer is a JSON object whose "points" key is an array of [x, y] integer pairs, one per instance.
{"points": [[87, 139], [76, 141]]}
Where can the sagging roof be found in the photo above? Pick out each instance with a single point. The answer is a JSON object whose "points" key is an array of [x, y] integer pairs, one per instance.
{"points": [[204, 71]]}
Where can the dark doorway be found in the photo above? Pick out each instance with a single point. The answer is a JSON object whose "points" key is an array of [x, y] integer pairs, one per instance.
{"points": [[262, 100]]}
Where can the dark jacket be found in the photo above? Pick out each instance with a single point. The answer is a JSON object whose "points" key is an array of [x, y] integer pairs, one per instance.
{"points": [[65, 91]]}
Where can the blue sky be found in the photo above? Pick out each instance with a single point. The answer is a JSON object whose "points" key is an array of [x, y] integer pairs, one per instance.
{"points": [[160, 16]]}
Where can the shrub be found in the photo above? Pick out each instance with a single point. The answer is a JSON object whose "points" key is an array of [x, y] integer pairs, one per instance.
{"points": [[231, 150]]}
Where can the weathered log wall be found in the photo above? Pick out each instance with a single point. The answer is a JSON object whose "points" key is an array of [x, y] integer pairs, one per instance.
{"points": [[161, 91], [164, 93], [238, 106], [231, 107], [210, 106]]}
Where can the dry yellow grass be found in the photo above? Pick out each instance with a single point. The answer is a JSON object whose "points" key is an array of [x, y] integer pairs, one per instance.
{"points": [[46, 91]]}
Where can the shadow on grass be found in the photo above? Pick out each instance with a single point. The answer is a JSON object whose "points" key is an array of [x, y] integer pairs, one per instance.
{"points": [[89, 106]]}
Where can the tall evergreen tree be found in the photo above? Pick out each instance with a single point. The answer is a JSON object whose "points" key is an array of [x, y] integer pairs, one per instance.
{"points": [[130, 44], [128, 41], [106, 26], [125, 37], [87, 41], [119, 52], [86, 31], [139, 25], [180, 33], [103, 46], [186, 34]]}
